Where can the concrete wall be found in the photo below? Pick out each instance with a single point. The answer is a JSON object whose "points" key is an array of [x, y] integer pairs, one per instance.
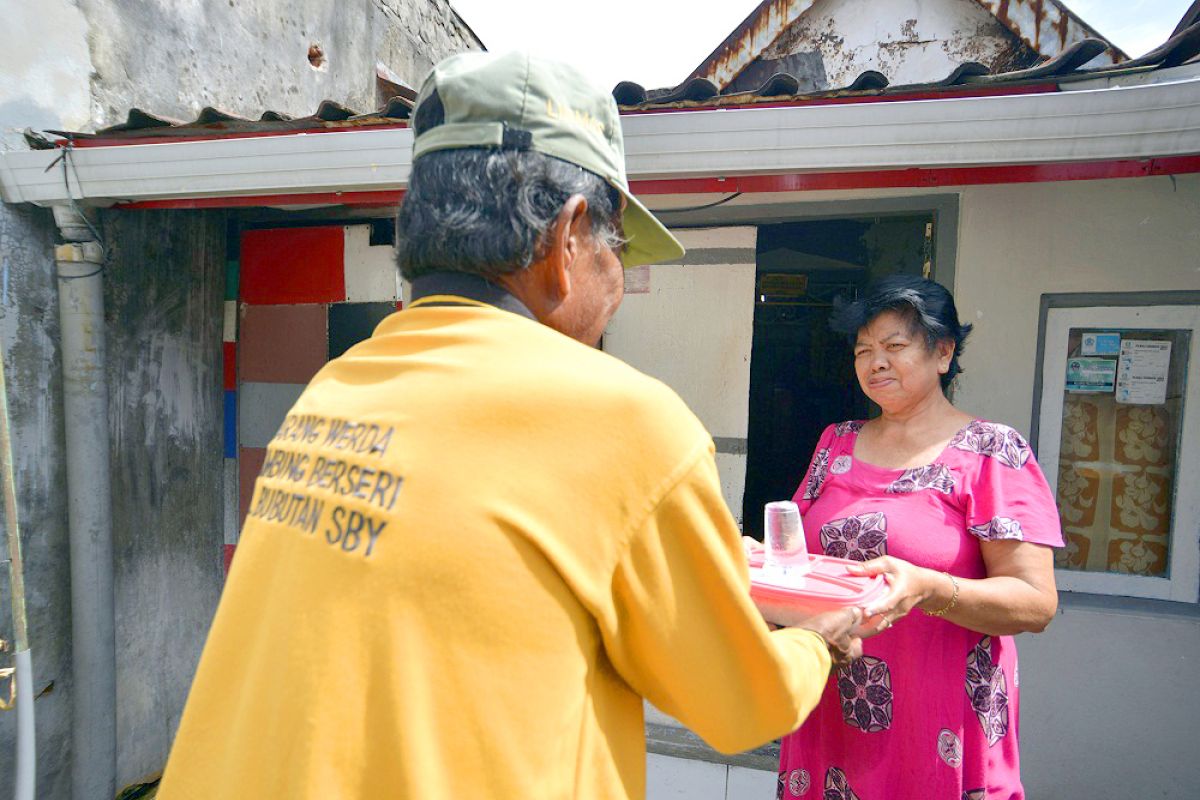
{"points": [[80, 65], [163, 301], [700, 317], [1108, 701], [29, 331], [909, 41]]}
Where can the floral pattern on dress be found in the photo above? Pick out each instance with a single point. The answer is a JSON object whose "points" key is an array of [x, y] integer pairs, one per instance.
{"points": [[933, 476], [781, 784], [988, 691], [849, 426], [949, 747], [859, 538], [865, 689], [840, 465], [975, 794], [798, 782], [994, 441], [816, 475], [837, 787], [998, 528]]}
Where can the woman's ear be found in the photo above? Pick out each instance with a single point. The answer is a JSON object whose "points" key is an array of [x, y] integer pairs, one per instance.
{"points": [[945, 354]]}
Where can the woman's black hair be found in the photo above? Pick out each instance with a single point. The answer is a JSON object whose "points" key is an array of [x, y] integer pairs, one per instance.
{"points": [[928, 306]]}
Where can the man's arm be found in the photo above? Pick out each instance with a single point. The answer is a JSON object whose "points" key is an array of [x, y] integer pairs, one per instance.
{"points": [[684, 633]]}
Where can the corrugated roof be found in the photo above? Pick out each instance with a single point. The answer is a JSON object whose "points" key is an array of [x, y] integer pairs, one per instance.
{"points": [[694, 93]]}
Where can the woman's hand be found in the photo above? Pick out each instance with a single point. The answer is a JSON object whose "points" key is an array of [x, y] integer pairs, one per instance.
{"points": [[910, 586], [752, 547]]}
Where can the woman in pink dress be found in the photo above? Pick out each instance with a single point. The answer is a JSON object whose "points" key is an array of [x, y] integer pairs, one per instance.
{"points": [[955, 512]]}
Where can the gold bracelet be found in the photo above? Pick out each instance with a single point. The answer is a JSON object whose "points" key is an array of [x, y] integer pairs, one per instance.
{"points": [[941, 612]]}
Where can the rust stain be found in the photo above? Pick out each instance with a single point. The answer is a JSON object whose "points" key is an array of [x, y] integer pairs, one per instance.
{"points": [[743, 45]]}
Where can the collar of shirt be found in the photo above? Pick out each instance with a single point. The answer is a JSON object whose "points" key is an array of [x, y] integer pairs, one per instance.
{"points": [[462, 289]]}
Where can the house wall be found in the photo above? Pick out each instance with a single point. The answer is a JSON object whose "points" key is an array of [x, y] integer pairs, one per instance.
{"points": [[1108, 705], [1108, 702], [909, 41], [80, 65], [700, 315]]}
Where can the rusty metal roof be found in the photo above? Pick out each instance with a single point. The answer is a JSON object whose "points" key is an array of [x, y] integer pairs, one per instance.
{"points": [[695, 93]]}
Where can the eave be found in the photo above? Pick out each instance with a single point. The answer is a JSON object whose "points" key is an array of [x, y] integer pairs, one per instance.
{"points": [[1113, 122]]}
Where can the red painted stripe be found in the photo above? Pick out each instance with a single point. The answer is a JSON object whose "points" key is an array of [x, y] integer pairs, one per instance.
{"points": [[229, 350], [360, 199], [921, 177], [282, 266], [227, 556], [795, 182]]}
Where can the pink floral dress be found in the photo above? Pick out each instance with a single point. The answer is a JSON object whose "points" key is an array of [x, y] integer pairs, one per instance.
{"points": [[930, 710]]}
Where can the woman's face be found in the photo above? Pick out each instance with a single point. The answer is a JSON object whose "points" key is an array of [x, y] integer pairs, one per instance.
{"points": [[894, 366]]}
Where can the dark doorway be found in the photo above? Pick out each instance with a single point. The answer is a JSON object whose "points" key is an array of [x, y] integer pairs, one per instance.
{"points": [[801, 373]]}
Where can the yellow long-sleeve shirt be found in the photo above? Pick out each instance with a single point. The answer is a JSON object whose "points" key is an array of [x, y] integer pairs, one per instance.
{"points": [[474, 547]]}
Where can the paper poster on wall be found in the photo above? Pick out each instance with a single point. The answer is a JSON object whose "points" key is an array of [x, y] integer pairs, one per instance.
{"points": [[637, 280], [1091, 375], [1100, 343], [1142, 372]]}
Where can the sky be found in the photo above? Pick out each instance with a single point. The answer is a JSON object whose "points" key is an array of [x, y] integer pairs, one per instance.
{"points": [[659, 42]]}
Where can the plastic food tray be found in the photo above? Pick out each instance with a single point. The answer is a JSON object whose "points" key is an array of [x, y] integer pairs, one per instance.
{"points": [[825, 587]]}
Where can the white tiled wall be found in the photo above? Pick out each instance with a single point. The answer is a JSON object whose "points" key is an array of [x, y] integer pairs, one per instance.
{"points": [[686, 779]]}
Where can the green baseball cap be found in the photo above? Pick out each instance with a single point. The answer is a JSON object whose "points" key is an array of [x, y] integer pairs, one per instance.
{"points": [[524, 102]]}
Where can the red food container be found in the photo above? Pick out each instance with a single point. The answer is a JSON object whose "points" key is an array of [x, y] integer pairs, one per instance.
{"points": [[824, 587]]}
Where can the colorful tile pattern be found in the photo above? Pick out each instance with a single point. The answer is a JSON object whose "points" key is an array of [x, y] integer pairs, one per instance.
{"points": [[351, 323], [295, 297], [1114, 486], [283, 344], [282, 266]]}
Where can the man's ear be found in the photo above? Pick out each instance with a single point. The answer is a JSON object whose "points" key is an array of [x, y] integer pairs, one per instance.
{"points": [[564, 242]]}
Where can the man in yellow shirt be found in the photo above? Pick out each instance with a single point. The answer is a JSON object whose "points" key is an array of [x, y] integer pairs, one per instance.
{"points": [[478, 542]]}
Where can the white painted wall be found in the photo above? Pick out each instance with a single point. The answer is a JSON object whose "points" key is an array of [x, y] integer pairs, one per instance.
{"points": [[1019, 241], [1109, 698], [670, 778], [1109, 704], [909, 41], [693, 331]]}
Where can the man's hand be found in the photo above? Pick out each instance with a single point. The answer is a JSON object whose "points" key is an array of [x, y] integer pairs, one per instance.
{"points": [[837, 628]]}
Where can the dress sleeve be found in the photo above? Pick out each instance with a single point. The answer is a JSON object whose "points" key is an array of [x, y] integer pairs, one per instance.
{"points": [[818, 470], [1009, 497], [684, 633]]}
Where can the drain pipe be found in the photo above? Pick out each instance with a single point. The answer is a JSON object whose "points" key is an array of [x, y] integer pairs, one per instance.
{"points": [[80, 265]]}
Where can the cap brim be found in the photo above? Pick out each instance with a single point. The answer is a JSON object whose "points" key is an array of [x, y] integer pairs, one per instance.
{"points": [[649, 240]]}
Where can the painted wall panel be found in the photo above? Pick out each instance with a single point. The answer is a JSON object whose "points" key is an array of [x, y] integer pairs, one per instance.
{"points": [[693, 331], [371, 273], [262, 408], [293, 265]]}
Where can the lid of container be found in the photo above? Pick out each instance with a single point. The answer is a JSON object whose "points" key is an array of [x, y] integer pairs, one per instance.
{"points": [[826, 583]]}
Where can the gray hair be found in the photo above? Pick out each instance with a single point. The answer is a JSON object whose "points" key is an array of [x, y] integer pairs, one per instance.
{"points": [[486, 211]]}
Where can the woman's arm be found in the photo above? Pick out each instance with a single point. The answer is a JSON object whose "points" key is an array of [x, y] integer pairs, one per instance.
{"points": [[1017, 596]]}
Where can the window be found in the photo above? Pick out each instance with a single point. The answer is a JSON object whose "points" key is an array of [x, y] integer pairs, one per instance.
{"points": [[1118, 435]]}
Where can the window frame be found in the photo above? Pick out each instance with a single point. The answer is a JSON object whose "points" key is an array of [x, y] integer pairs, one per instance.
{"points": [[1148, 311]]}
